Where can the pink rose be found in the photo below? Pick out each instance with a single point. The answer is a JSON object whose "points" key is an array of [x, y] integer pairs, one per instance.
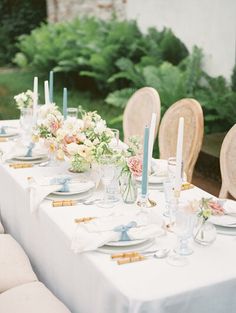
{"points": [[135, 165]]}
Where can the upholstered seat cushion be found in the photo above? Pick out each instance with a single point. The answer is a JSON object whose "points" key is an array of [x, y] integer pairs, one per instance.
{"points": [[30, 298], [15, 268]]}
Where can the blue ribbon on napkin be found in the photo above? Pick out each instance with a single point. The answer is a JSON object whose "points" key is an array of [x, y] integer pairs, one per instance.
{"points": [[30, 148], [124, 230], [2, 130], [64, 181]]}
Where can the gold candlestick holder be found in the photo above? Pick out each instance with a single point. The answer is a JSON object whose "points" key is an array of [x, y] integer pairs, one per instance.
{"points": [[145, 202]]}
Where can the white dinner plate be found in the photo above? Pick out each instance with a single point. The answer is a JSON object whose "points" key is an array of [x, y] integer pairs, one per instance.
{"points": [[30, 158], [226, 221], [138, 247], [79, 196], [125, 243], [226, 231], [37, 161], [76, 188], [10, 132]]}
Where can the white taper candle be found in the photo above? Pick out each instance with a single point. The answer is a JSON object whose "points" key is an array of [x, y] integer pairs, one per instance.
{"points": [[179, 155], [46, 92]]}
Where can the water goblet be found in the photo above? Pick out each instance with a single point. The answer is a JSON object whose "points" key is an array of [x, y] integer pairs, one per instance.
{"points": [[107, 170], [72, 113], [26, 123], [183, 228]]}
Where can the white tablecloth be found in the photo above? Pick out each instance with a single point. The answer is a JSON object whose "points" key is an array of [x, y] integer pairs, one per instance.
{"points": [[91, 282]]}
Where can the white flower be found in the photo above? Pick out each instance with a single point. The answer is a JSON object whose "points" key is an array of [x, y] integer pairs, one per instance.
{"points": [[72, 126], [72, 148], [100, 127], [81, 137], [88, 143]]}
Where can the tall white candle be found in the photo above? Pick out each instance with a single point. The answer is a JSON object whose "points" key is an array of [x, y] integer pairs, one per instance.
{"points": [[35, 100], [151, 139], [46, 92], [179, 155]]}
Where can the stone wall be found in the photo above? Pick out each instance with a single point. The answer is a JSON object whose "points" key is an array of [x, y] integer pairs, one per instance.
{"points": [[65, 10]]}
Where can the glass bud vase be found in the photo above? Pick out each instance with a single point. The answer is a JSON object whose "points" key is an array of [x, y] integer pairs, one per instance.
{"points": [[205, 232], [129, 189]]}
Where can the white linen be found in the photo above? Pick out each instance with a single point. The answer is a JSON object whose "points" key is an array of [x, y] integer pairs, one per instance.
{"points": [[18, 149], [96, 233], [41, 187], [91, 282]]}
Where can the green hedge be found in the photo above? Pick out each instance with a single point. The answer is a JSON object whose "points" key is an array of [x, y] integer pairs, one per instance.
{"points": [[118, 59], [17, 17]]}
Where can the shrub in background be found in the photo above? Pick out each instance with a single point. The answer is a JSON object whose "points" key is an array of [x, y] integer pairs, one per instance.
{"points": [[17, 17]]}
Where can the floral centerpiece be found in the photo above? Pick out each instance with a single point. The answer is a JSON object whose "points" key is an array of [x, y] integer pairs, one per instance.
{"points": [[88, 141], [24, 99], [131, 164], [50, 121]]}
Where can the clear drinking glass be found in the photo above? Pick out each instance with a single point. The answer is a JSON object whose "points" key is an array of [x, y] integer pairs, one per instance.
{"points": [[107, 170], [26, 123], [72, 112], [183, 228], [168, 187]]}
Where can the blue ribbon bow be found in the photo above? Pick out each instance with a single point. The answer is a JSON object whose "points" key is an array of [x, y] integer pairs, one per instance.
{"points": [[64, 181], [2, 130], [124, 230], [30, 148]]}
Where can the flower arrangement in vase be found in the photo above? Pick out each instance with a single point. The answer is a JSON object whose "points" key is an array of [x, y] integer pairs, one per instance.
{"points": [[131, 168], [205, 232]]}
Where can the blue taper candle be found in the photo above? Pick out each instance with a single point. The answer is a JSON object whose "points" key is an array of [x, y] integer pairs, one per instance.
{"points": [[145, 163], [65, 103], [51, 86]]}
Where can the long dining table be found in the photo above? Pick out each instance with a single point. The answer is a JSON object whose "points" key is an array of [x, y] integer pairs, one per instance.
{"points": [[91, 282]]}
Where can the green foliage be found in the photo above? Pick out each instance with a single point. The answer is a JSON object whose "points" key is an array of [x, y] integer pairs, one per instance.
{"points": [[17, 17], [233, 79], [118, 59]]}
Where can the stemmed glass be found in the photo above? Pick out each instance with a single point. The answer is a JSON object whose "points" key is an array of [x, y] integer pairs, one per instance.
{"points": [[26, 123], [107, 170], [183, 228]]}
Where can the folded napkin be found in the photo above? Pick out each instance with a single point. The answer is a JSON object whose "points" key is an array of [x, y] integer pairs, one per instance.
{"points": [[121, 227], [18, 149], [159, 167], [40, 188], [229, 217]]}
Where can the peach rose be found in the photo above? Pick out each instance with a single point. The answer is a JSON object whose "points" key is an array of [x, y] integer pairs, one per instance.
{"points": [[135, 165]]}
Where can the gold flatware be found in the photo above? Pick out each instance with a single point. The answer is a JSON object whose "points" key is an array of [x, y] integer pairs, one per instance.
{"points": [[20, 165], [131, 259], [84, 219], [58, 203]]}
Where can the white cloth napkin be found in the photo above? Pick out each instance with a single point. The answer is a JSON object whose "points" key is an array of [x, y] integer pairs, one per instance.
{"points": [[229, 219], [101, 230], [159, 167], [18, 149], [229, 206], [40, 188]]}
